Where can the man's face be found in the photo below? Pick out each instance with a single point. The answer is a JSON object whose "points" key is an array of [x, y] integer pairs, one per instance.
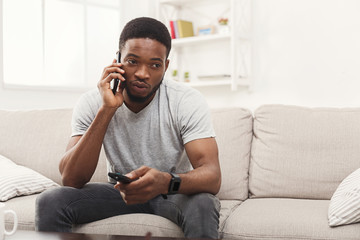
{"points": [[144, 61]]}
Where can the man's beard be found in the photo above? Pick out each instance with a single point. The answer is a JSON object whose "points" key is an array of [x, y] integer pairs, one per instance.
{"points": [[137, 99]]}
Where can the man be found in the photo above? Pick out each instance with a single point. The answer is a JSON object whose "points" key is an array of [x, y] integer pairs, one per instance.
{"points": [[157, 132]]}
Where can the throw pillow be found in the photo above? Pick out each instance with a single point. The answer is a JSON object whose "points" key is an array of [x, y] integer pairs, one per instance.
{"points": [[344, 206], [17, 180]]}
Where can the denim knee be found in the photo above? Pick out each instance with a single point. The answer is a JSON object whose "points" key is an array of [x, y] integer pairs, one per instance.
{"points": [[48, 210], [204, 204], [207, 202], [202, 216]]}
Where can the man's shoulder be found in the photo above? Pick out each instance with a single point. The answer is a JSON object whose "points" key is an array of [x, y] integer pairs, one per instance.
{"points": [[91, 96], [182, 99], [179, 90], [89, 101], [92, 93]]}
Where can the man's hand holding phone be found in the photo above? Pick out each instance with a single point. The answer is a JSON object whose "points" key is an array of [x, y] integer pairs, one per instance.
{"points": [[120, 177], [146, 184], [111, 73]]}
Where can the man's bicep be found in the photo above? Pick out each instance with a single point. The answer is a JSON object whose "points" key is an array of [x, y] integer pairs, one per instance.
{"points": [[203, 151]]}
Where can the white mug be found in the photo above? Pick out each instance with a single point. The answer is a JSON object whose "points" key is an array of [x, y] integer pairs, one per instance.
{"points": [[3, 212]]}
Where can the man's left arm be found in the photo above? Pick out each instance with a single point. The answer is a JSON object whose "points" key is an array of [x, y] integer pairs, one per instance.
{"points": [[206, 176], [198, 135]]}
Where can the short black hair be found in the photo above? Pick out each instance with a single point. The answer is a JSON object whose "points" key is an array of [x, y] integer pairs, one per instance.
{"points": [[145, 27]]}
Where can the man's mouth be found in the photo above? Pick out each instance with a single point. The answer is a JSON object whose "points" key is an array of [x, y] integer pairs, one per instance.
{"points": [[139, 84], [139, 87]]}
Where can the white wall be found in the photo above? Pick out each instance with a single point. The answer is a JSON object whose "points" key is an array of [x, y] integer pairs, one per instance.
{"points": [[305, 52]]}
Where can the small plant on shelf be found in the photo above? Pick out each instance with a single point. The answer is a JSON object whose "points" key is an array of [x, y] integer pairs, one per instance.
{"points": [[223, 21], [186, 77], [175, 75], [223, 27]]}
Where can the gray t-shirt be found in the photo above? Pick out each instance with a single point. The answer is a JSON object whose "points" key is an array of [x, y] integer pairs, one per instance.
{"points": [[156, 135]]}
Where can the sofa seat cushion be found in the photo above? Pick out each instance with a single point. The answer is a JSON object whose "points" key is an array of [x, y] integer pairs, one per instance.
{"points": [[130, 224], [227, 207], [140, 224], [25, 210], [300, 152], [280, 218]]}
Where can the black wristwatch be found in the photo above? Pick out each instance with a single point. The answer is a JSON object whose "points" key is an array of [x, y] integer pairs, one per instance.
{"points": [[174, 185]]}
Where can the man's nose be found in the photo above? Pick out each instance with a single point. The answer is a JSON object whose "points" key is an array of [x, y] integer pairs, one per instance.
{"points": [[142, 72]]}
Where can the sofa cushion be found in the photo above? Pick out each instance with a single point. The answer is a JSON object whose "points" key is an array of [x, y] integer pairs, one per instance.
{"points": [[140, 224], [18, 180], [271, 218], [233, 128], [37, 139], [345, 203], [227, 207], [300, 152], [130, 224], [25, 210], [133, 225]]}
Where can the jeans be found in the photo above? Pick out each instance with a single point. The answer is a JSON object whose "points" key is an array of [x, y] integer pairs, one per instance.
{"points": [[58, 209]]}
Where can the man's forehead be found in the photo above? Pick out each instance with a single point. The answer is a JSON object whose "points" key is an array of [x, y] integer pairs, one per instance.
{"points": [[144, 45], [143, 41]]}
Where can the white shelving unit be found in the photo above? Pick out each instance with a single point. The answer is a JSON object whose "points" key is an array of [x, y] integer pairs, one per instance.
{"points": [[231, 51], [182, 42]]}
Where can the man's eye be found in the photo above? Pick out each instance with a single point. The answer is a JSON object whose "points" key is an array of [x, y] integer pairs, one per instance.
{"points": [[131, 61], [156, 65]]}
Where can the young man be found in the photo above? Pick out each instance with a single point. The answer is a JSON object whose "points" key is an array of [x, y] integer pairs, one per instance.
{"points": [[157, 132]]}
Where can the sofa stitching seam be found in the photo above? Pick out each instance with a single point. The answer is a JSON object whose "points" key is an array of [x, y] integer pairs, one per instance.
{"points": [[137, 224], [225, 220]]}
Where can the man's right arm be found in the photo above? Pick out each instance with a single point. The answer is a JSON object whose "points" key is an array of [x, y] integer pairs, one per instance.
{"points": [[80, 160], [82, 153]]}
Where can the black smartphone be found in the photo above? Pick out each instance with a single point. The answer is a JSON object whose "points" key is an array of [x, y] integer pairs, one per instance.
{"points": [[116, 81], [120, 177]]}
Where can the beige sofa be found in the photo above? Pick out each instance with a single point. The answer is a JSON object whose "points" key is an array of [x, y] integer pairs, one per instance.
{"points": [[280, 167]]}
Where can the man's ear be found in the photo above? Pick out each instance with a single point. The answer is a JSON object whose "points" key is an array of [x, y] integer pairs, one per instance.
{"points": [[167, 64]]}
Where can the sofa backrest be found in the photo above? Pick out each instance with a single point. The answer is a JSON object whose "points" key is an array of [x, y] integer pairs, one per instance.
{"points": [[233, 128], [300, 152], [37, 139]]}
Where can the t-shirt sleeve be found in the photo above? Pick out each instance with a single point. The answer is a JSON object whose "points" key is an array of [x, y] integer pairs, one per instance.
{"points": [[194, 117], [84, 113]]}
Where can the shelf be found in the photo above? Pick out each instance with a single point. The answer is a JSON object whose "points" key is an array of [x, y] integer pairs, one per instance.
{"points": [[209, 83], [199, 39], [179, 3], [195, 54], [218, 82]]}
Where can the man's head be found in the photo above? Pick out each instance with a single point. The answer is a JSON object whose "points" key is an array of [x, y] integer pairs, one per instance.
{"points": [[145, 27], [144, 46]]}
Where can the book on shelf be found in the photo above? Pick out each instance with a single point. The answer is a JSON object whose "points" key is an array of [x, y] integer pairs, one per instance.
{"points": [[185, 28], [172, 30], [176, 30], [181, 29]]}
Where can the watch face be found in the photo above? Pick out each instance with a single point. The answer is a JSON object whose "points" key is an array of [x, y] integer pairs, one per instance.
{"points": [[176, 186]]}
